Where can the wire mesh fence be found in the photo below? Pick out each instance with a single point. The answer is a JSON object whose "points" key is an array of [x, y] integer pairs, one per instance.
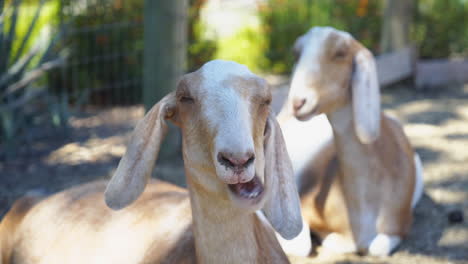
{"points": [[103, 41]]}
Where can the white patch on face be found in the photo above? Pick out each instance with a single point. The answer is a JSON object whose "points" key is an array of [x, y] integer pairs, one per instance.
{"points": [[227, 115], [217, 71]]}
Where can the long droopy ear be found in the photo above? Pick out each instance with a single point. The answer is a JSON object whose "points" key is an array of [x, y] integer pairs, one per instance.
{"points": [[366, 97], [282, 209], [299, 46], [136, 165]]}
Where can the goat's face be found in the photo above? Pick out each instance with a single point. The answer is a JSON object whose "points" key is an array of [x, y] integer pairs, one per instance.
{"points": [[222, 111], [233, 148], [333, 70], [322, 75]]}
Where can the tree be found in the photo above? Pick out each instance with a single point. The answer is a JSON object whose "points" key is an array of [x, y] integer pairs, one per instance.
{"points": [[397, 20], [165, 45], [164, 58]]}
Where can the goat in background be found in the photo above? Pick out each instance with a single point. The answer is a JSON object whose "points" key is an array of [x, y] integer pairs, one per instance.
{"points": [[358, 176]]}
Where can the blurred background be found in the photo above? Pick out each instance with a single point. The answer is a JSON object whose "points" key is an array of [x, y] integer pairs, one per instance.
{"points": [[75, 76]]}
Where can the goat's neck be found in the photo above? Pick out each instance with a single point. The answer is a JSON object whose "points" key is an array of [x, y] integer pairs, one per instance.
{"points": [[353, 155], [224, 234], [348, 146]]}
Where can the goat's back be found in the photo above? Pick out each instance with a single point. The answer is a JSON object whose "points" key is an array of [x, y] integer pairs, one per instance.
{"points": [[75, 226]]}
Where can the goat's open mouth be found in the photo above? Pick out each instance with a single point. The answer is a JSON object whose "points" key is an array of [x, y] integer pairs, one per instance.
{"points": [[251, 190]]}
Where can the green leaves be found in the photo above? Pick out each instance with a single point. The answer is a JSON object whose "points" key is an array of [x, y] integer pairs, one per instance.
{"points": [[25, 56]]}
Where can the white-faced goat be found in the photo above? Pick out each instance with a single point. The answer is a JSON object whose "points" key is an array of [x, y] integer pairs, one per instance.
{"points": [[235, 161], [359, 179]]}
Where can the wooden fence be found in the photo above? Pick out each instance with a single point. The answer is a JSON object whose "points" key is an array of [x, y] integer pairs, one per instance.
{"points": [[403, 64]]}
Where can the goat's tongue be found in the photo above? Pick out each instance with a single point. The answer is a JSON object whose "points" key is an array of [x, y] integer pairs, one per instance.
{"points": [[249, 189]]}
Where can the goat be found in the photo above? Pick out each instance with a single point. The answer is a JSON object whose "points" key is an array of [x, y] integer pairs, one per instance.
{"points": [[236, 164], [360, 178]]}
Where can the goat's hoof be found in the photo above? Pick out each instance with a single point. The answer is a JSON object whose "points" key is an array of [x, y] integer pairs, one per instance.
{"points": [[383, 245], [335, 243]]}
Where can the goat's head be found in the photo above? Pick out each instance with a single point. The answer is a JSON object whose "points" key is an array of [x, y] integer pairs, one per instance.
{"points": [[332, 69], [232, 145]]}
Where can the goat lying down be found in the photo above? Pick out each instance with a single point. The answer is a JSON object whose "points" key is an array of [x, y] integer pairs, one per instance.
{"points": [[358, 176], [236, 163]]}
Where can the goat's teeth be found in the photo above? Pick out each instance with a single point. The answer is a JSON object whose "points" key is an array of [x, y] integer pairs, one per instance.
{"points": [[253, 194]]}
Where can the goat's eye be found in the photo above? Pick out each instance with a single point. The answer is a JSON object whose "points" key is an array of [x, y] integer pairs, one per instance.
{"points": [[340, 54], [186, 99], [266, 102]]}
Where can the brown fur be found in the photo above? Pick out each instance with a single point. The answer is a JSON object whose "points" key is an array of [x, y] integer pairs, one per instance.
{"points": [[10, 224], [63, 226]]}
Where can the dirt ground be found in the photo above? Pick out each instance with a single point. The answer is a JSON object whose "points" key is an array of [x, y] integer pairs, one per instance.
{"points": [[436, 122]]}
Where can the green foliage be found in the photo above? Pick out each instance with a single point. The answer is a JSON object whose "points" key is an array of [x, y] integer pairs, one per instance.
{"points": [[246, 47], [268, 48], [25, 55], [284, 21], [441, 28], [200, 50], [105, 42], [45, 21]]}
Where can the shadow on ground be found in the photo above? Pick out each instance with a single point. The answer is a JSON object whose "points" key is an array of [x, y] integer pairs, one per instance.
{"points": [[50, 160]]}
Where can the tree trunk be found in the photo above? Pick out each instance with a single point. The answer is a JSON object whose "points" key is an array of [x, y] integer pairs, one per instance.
{"points": [[165, 42], [397, 20]]}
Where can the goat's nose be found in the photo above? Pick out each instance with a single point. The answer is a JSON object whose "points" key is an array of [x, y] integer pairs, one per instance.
{"points": [[236, 162], [298, 103]]}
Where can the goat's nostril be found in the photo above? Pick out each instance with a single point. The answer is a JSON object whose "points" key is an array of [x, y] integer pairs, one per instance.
{"points": [[225, 161], [298, 103], [236, 161]]}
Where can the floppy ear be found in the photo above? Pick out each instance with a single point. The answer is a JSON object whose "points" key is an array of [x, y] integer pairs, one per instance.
{"points": [[283, 206], [366, 97], [298, 46], [136, 165]]}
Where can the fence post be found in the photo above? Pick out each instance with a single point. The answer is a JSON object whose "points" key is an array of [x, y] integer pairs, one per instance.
{"points": [[164, 58]]}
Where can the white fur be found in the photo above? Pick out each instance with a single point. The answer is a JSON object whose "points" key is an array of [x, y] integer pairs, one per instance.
{"points": [[302, 151], [216, 71], [314, 49], [226, 112], [301, 245], [383, 245], [337, 244], [419, 184]]}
